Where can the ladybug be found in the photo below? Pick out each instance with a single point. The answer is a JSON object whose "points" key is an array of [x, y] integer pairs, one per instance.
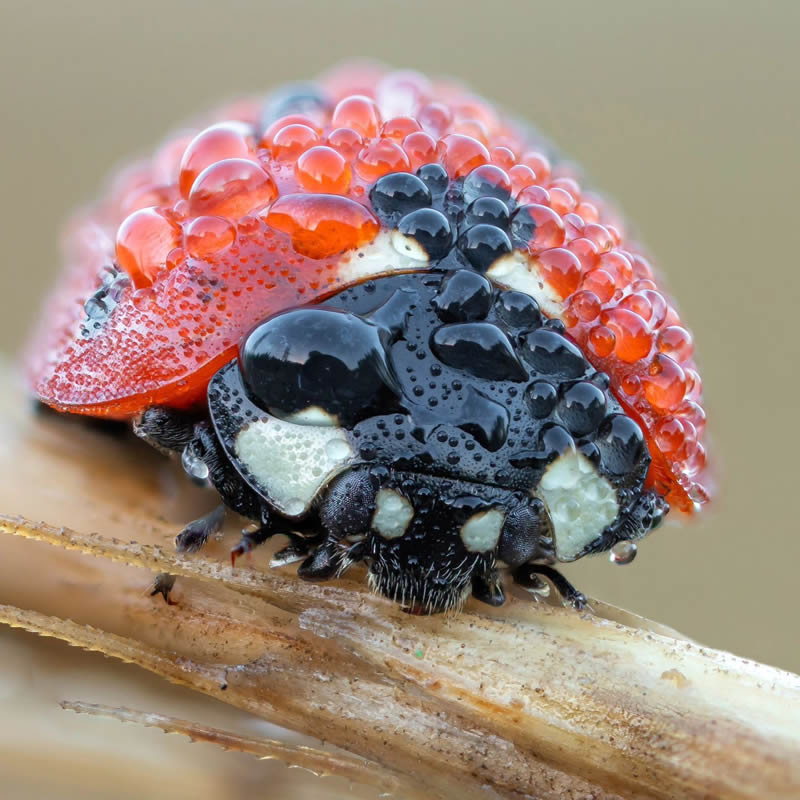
{"points": [[378, 318]]}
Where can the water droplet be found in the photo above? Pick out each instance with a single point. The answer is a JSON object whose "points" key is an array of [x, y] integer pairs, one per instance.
{"points": [[118, 287], [195, 467], [232, 188], [479, 348], [225, 140], [698, 494], [623, 552], [95, 307], [337, 449], [294, 506], [322, 225], [143, 241], [205, 236], [107, 275], [323, 169]]}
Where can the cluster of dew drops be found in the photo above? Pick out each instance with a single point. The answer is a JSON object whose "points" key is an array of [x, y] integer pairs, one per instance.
{"points": [[308, 174]]}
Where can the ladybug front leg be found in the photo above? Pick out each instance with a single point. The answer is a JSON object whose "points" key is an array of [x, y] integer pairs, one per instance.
{"points": [[196, 533], [252, 539], [171, 432], [165, 429], [344, 514], [300, 542], [298, 549], [203, 456], [488, 589], [527, 576]]}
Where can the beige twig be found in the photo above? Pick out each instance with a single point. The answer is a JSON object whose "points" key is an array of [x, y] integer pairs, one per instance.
{"points": [[526, 701], [321, 763], [540, 701]]}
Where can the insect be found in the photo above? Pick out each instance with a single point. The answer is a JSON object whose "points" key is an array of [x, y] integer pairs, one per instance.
{"points": [[380, 320]]}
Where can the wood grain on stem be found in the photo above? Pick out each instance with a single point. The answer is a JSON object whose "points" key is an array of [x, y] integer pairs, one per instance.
{"points": [[529, 700]]}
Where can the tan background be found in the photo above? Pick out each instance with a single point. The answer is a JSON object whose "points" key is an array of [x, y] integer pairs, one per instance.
{"points": [[687, 113]]}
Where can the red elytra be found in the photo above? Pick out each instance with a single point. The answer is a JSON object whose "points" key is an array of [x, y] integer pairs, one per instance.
{"points": [[232, 223]]}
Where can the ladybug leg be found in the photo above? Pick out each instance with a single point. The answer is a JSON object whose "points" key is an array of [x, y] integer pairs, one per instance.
{"points": [[344, 514], [297, 550], [165, 429], [324, 563], [527, 576], [253, 538], [488, 589], [301, 542], [249, 541], [331, 558], [196, 533], [163, 585], [207, 454]]}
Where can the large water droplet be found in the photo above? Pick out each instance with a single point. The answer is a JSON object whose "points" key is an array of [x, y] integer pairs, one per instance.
{"points": [[623, 552], [195, 467], [337, 449], [118, 287], [479, 348]]}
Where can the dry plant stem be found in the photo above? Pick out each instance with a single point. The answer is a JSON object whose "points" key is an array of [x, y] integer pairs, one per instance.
{"points": [[526, 700], [319, 762], [537, 701], [277, 588]]}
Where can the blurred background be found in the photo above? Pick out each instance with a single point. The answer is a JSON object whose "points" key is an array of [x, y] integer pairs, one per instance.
{"points": [[685, 112]]}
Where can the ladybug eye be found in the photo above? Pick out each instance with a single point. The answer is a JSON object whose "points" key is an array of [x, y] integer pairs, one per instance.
{"points": [[317, 366]]}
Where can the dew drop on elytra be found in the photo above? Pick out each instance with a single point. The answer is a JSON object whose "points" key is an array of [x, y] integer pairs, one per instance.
{"points": [[118, 286], [95, 308], [623, 553]]}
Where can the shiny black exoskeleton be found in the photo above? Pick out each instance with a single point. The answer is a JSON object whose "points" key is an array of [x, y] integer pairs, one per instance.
{"points": [[449, 400], [432, 425]]}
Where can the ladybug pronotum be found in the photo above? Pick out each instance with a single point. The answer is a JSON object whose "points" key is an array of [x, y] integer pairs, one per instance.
{"points": [[374, 316]]}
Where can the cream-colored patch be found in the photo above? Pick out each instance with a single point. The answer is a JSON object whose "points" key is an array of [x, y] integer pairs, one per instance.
{"points": [[392, 514], [380, 257], [291, 463], [481, 531], [313, 415], [581, 502], [520, 271], [409, 247]]}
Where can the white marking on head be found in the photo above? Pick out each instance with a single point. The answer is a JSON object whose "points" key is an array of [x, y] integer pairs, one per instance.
{"points": [[380, 257], [581, 502], [291, 463], [520, 271], [313, 415], [481, 531], [392, 514]]}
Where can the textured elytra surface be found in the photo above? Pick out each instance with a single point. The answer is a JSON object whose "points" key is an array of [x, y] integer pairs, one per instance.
{"points": [[256, 215], [466, 440]]}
